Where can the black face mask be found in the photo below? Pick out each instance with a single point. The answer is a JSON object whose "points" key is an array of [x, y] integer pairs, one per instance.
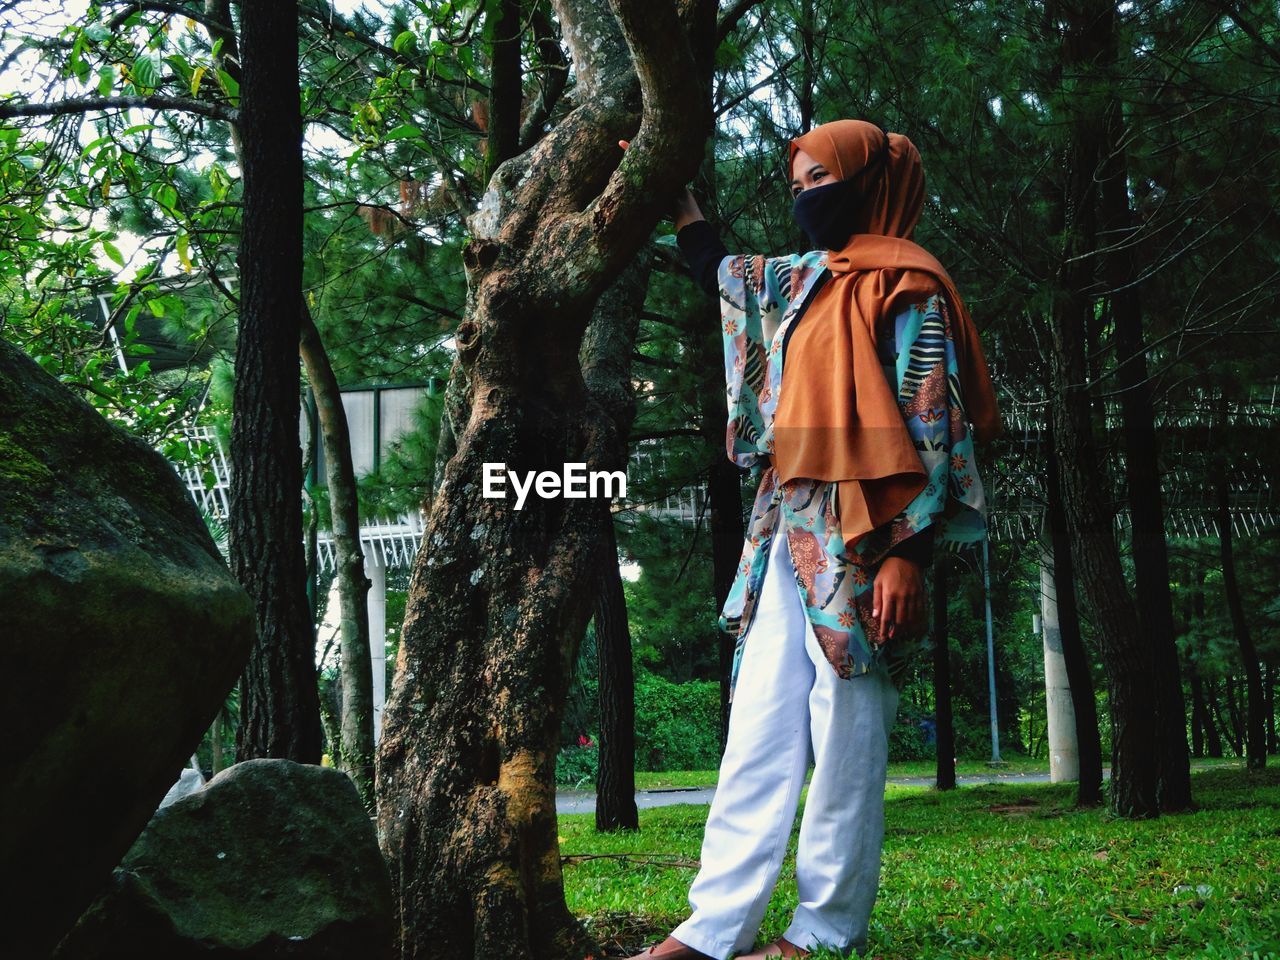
{"points": [[827, 213]]}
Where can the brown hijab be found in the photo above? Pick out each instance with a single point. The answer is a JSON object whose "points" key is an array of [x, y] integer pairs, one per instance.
{"points": [[837, 417]]}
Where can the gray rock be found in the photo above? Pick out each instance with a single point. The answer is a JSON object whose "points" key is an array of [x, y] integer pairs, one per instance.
{"points": [[122, 632], [271, 859]]}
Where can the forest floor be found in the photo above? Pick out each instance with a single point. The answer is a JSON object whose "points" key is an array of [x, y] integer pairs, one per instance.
{"points": [[1003, 870]]}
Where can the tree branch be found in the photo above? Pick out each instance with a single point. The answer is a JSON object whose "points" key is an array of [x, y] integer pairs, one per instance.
{"points": [[664, 153], [729, 19], [89, 104], [156, 6]]}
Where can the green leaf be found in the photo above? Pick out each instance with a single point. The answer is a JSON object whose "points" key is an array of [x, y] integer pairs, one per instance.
{"points": [[94, 144], [97, 32], [406, 131], [406, 40], [113, 252], [106, 78], [183, 244], [145, 72], [166, 196], [219, 182], [156, 306], [229, 85]]}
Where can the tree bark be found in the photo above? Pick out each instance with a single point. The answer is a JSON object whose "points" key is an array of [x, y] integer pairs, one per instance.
{"points": [[606, 370], [502, 28], [1084, 700], [1255, 723], [355, 753], [1087, 49], [943, 718], [1197, 714], [616, 774], [499, 598], [279, 703], [1142, 468]]}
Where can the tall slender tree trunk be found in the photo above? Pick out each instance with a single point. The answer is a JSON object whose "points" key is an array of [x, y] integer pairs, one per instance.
{"points": [[1142, 466], [1271, 708], [616, 775], [1226, 724], [1233, 711], [279, 703], [1204, 689], [1084, 700], [943, 719], [502, 31], [1255, 723], [355, 754], [606, 370], [499, 597], [216, 758], [1197, 713], [1087, 50], [1212, 727]]}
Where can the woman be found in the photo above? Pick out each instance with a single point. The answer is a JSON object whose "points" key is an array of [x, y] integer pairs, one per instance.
{"points": [[865, 462]]}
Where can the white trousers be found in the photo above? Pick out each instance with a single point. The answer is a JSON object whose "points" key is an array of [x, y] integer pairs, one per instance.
{"points": [[790, 709]]}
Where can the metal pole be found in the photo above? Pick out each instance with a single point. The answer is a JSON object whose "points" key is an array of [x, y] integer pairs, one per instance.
{"points": [[991, 653]]}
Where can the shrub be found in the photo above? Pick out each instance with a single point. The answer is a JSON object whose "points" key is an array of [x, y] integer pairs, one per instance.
{"points": [[907, 737], [578, 765], [677, 724]]}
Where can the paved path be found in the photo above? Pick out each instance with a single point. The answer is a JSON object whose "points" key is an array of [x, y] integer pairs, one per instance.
{"points": [[584, 801]]}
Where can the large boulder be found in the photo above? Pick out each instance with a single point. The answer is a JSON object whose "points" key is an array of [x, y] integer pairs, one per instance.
{"points": [[271, 859], [122, 632]]}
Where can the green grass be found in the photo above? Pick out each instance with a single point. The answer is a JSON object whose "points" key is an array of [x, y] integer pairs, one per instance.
{"points": [[962, 877], [659, 779]]}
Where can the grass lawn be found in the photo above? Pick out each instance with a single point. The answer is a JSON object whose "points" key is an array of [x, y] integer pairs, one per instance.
{"points": [[1001, 871]]}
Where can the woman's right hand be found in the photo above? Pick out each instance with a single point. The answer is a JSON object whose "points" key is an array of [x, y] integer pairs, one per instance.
{"points": [[685, 210]]}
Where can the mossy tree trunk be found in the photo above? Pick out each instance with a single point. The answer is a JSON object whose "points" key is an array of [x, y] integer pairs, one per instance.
{"points": [[499, 598], [355, 754]]}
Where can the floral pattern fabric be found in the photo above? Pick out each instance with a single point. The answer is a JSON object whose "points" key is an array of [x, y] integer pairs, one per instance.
{"points": [[835, 582]]}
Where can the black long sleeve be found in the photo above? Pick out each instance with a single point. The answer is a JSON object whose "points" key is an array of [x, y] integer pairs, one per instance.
{"points": [[703, 251], [918, 548]]}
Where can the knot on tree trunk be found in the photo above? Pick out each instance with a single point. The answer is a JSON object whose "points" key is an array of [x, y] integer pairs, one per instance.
{"points": [[480, 254], [467, 338]]}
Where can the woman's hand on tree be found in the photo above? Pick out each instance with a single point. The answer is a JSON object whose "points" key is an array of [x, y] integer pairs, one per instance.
{"points": [[685, 210], [898, 599]]}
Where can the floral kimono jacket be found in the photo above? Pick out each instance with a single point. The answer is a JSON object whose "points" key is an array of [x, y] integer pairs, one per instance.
{"points": [[760, 294]]}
